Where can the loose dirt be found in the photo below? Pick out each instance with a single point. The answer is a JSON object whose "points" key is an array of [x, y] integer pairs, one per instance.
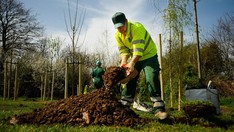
{"points": [[100, 107]]}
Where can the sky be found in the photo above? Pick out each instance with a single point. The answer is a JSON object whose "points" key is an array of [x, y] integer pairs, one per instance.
{"points": [[52, 15]]}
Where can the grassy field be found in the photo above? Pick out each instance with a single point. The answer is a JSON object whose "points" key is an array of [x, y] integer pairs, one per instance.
{"points": [[220, 123]]}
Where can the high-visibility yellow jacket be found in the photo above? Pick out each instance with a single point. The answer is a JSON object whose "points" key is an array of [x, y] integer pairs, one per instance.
{"points": [[136, 42]]}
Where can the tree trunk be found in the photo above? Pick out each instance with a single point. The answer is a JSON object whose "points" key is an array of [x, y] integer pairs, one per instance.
{"points": [[5, 81], [170, 69], [45, 86], [52, 86], [160, 62], [16, 82], [180, 71], [198, 45], [79, 92], [66, 80]]}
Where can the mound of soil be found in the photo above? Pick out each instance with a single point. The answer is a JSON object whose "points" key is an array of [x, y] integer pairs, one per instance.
{"points": [[100, 107], [199, 110], [225, 88]]}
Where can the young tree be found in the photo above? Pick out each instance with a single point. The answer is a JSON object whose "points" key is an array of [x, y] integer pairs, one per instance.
{"points": [[74, 30], [197, 41], [176, 17]]}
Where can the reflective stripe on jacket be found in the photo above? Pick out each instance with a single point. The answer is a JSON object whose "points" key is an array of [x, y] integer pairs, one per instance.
{"points": [[136, 42]]}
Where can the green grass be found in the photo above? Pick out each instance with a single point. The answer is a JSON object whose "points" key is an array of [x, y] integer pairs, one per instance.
{"points": [[227, 101], [8, 108]]}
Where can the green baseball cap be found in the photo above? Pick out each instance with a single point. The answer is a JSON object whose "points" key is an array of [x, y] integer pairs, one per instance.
{"points": [[98, 63], [118, 19]]}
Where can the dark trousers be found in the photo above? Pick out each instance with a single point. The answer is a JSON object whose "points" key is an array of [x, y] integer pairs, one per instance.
{"points": [[151, 71]]}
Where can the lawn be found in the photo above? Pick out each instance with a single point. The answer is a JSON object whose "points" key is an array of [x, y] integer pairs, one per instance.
{"points": [[222, 122]]}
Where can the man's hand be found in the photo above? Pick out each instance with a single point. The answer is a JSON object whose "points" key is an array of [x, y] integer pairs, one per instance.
{"points": [[130, 67], [123, 65]]}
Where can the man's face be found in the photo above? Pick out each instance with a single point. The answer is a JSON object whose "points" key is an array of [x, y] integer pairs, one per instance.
{"points": [[123, 29]]}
